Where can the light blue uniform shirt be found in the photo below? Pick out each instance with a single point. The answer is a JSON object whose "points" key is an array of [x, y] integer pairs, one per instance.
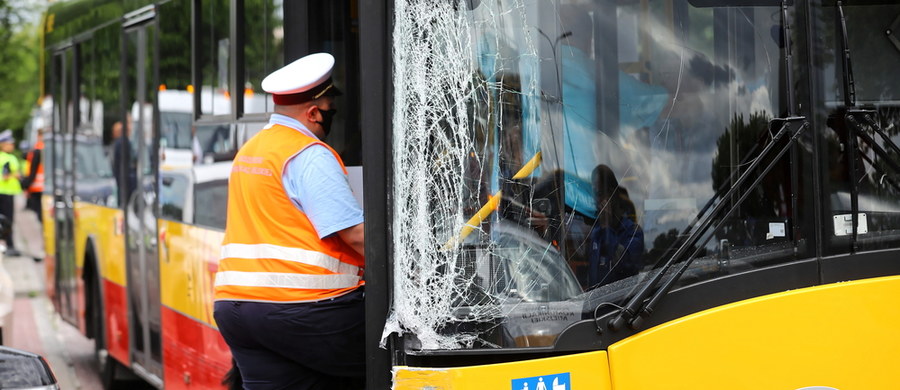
{"points": [[315, 183]]}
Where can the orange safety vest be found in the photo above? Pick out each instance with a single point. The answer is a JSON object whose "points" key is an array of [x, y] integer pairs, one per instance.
{"points": [[38, 184], [271, 251]]}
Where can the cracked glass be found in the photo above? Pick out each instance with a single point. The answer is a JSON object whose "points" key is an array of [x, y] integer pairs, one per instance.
{"points": [[548, 155]]}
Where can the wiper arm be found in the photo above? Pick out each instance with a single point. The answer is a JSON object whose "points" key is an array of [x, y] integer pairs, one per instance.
{"points": [[884, 176], [860, 131], [789, 81], [849, 83], [632, 313]]}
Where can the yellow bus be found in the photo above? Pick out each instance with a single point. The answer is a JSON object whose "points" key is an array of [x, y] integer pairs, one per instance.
{"points": [[565, 194]]}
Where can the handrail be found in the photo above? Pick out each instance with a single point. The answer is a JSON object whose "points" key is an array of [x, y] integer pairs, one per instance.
{"points": [[491, 204]]}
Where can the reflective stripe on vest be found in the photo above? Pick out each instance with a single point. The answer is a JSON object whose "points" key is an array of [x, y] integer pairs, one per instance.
{"points": [[268, 251], [271, 251], [282, 280]]}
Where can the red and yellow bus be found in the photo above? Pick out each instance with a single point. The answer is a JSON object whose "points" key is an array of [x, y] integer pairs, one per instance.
{"points": [[566, 194]]}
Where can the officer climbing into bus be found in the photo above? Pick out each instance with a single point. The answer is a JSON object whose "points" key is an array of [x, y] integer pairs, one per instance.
{"points": [[289, 289]]}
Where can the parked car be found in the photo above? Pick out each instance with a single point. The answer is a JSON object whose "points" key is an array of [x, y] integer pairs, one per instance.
{"points": [[25, 370]]}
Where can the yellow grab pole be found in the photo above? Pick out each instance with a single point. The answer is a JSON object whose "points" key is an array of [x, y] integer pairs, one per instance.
{"points": [[491, 204]]}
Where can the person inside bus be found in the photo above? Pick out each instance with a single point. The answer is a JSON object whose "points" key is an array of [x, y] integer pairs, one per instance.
{"points": [[9, 187], [126, 175], [289, 289], [616, 240]]}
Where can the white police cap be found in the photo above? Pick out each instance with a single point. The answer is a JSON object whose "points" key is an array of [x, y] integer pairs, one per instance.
{"points": [[6, 136], [306, 79]]}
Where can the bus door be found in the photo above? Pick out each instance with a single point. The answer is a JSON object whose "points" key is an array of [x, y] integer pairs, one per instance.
{"points": [[62, 145], [139, 189]]}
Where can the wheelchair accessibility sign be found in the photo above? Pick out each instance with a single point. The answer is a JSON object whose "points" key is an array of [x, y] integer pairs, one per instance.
{"points": [[561, 381]]}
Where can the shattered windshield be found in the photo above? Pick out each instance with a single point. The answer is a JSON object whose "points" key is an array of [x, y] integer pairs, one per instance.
{"points": [[549, 154]]}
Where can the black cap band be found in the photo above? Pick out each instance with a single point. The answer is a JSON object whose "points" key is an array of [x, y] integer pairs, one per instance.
{"points": [[326, 88]]}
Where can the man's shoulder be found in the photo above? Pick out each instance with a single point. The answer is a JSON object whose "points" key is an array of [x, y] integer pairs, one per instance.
{"points": [[314, 154]]}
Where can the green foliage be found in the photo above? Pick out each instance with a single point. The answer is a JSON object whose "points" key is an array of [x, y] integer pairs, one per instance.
{"points": [[19, 71]]}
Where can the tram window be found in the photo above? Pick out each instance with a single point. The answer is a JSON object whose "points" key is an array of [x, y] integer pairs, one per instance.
{"points": [[211, 201], [332, 27], [106, 75], [263, 51], [175, 97], [873, 58], [586, 137], [172, 196], [214, 57], [90, 109]]}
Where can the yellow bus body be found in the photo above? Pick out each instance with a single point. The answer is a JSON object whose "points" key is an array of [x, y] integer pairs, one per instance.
{"points": [[843, 335], [104, 227], [48, 228], [188, 259]]}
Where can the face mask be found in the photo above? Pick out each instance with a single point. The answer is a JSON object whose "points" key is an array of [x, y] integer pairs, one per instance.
{"points": [[327, 117]]}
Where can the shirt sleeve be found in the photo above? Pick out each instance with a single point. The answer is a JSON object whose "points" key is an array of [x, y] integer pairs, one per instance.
{"points": [[316, 184]]}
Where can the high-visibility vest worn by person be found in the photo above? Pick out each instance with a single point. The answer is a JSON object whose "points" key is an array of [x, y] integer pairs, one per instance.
{"points": [[271, 251], [38, 184], [10, 166]]}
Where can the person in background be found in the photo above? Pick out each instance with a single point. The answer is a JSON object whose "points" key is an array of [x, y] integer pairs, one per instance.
{"points": [[9, 186], [123, 160], [33, 183], [617, 241], [289, 297]]}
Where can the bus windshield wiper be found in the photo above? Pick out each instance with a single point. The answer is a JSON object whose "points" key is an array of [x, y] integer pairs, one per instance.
{"points": [[857, 119], [633, 313]]}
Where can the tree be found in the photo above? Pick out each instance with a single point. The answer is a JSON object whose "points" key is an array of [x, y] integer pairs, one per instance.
{"points": [[19, 58]]}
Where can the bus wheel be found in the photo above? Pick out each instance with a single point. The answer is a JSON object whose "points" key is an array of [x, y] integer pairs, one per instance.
{"points": [[109, 368]]}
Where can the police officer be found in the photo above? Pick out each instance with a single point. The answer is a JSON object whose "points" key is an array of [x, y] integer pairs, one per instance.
{"points": [[289, 288], [9, 186]]}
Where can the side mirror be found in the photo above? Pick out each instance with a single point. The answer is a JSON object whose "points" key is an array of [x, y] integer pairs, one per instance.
{"points": [[25, 370]]}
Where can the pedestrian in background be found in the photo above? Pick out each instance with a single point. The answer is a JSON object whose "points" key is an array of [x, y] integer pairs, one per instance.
{"points": [[33, 183], [289, 289], [9, 186]]}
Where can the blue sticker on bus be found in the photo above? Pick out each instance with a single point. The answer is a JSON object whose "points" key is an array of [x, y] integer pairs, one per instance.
{"points": [[560, 381]]}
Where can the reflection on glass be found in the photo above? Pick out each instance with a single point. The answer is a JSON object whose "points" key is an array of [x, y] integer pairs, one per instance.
{"points": [[175, 98], [581, 139], [172, 196], [334, 28], [263, 51], [871, 165], [210, 199], [215, 98], [90, 109]]}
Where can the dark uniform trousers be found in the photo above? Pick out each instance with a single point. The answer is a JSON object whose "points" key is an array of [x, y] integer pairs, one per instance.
{"points": [[317, 345]]}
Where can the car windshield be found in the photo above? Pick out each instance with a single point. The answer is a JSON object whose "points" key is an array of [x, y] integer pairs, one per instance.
{"points": [[91, 161], [175, 128]]}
